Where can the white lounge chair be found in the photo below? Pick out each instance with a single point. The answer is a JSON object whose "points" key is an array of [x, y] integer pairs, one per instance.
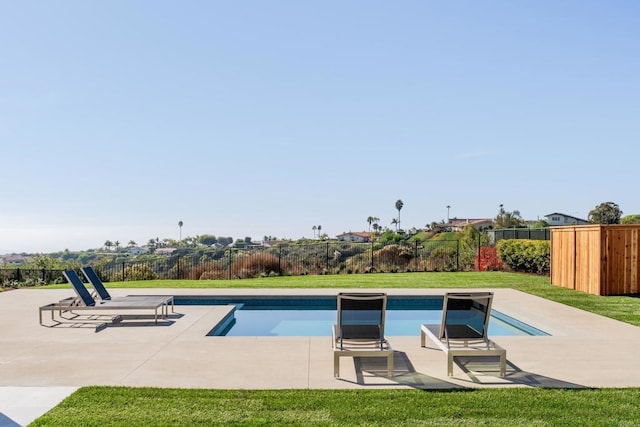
{"points": [[463, 330], [85, 302], [102, 292], [359, 331]]}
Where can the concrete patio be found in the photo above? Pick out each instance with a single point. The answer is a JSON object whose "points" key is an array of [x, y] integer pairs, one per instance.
{"points": [[583, 350]]}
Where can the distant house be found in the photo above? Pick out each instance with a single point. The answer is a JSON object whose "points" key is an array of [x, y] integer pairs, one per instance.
{"points": [[164, 251], [137, 250], [13, 259], [557, 218], [357, 236], [457, 224]]}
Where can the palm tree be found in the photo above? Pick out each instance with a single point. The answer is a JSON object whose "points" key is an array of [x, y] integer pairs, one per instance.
{"points": [[131, 243], [108, 244], [314, 228], [117, 245], [394, 221], [180, 224], [371, 220], [399, 206], [319, 229]]}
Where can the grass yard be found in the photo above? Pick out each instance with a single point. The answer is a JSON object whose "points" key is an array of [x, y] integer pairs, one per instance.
{"points": [[103, 406]]}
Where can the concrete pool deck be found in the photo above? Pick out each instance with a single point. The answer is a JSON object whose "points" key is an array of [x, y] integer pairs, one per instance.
{"points": [[583, 350]]}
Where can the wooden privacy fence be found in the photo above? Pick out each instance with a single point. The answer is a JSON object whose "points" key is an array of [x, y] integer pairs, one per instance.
{"points": [[598, 259]]}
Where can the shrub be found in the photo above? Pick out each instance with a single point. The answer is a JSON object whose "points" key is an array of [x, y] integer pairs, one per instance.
{"points": [[442, 258], [207, 271], [255, 265], [392, 258], [139, 272], [528, 256], [487, 259]]}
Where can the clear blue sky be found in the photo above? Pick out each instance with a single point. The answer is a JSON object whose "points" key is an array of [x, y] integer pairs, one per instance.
{"points": [[120, 118]]}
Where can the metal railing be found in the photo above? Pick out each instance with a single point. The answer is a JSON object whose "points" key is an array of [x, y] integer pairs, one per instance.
{"points": [[281, 260], [519, 233]]}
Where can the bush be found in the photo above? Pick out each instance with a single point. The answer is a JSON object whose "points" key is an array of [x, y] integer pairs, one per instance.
{"points": [[442, 258], [255, 265], [392, 258], [528, 256], [139, 272], [487, 259]]}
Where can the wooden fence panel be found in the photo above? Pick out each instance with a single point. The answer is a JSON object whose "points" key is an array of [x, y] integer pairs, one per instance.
{"points": [[588, 259], [563, 257], [598, 259], [622, 267]]}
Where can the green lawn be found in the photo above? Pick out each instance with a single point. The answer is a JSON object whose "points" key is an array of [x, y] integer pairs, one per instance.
{"points": [[504, 406], [102, 406]]}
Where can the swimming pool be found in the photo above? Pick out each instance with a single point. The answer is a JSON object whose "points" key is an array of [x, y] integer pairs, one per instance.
{"points": [[314, 316]]}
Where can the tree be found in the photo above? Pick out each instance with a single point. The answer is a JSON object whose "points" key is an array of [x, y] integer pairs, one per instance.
{"points": [[470, 236], [506, 219], [108, 244], [180, 224], [207, 239], [117, 245], [152, 244], [394, 221], [131, 244], [314, 228], [605, 213], [371, 220], [630, 219], [399, 206], [541, 223]]}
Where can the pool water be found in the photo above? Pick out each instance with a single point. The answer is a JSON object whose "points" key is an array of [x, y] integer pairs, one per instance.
{"points": [[315, 316], [319, 323]]}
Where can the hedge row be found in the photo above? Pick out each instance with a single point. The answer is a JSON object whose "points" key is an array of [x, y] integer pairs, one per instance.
{"points": [[528, 256]]}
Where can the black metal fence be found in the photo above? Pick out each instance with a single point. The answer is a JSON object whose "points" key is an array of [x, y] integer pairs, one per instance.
{"points": [[30, 277], [519, 233], [281, 260]]}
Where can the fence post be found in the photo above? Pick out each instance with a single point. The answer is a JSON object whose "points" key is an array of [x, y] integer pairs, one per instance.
{"points": [[280, 260], [327, 263], [18, 276], [229, 264], [123, 278], [372, 267], [415, 254], [178, 269], [477, 260], [43, 275], [458, 254]]}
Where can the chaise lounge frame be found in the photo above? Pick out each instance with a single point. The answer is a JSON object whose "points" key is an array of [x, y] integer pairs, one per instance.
{"points": [[361, 340], [463, 340]]}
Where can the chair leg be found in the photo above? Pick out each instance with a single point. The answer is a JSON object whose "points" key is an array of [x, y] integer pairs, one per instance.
{"points": [[390, 365], [336, 365]]}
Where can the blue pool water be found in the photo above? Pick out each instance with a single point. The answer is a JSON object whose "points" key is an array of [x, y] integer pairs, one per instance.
{"points": [[314, 316]]}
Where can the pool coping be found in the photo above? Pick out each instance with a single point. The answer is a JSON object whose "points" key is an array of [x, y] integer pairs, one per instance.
{"points": [[584, 350]]}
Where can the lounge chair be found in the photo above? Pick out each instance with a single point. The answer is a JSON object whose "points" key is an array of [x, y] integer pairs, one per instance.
{"points": [[359, 331], [104, 295], [85, 302], [463, 330]]}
